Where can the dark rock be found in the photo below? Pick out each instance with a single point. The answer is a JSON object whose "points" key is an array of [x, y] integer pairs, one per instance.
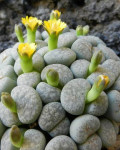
{"points": [[102, 16]]}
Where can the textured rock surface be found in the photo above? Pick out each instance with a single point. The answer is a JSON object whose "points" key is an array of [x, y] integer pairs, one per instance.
{"points": [[26, 99], [74, 93], [93, 143], [33, 140], [5, 142], [107, 133], [102, 16], [83, 127], [48, 93], [61, 142]]}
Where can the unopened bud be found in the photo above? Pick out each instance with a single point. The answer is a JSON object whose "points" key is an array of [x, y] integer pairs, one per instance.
{"points": [[55, 14], [16, 136], [86, 30], [8, 102], [79, 30], [19, 33], [52, 77]]}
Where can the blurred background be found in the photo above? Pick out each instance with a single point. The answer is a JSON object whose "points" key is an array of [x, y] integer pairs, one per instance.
{"points": [[103, 17]]}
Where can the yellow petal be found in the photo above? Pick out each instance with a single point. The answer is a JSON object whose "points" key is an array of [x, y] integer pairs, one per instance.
{"points": [[105, 78], [55, 26], [32, 22], [25, 48]]}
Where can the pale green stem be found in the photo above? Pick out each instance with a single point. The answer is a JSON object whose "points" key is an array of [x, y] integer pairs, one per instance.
{"points": [[95, 61], [52, 42], [26, 65], [31, 35], [98, 86]]}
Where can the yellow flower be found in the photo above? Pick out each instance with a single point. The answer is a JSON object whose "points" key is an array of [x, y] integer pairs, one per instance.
{"points": [[56, 14], [54, 26], [26, 49], [103, 78], [32, 22]]}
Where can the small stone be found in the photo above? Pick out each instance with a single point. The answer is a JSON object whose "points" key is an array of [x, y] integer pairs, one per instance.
{"points": [[61, 142], [40, 44], [92, 40], [66, 39], [82, 127], [48, 93], [73, 96], [65, 74], [107, 133], [93, 143], [31, 79], [82, 49], [99, 106], [108, 53], [29, 104], [51, 115], [79, 68], [112, 66], [102, 71], [113, 111], [63, 56], [42, 51], [33, 140], [8, 118]]}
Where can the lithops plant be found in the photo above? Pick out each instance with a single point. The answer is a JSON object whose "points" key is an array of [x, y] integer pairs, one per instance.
{"points": [[113, 111], [53, 119], [61, 142], [50, 91], [59, 89], [82, 68], [23, 139], [107, 133], [93, 143], [78, 92], [82, 127]]}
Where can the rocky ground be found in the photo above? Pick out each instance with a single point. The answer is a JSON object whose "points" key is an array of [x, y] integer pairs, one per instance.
{"points": [[103, 17]]}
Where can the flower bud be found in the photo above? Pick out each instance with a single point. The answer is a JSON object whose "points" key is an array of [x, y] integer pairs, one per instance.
{"points": [[19, 33], [16, 136], [86, 30], [8, 102], [79, 30], [55, 14], [95, 61], [52, 77]]}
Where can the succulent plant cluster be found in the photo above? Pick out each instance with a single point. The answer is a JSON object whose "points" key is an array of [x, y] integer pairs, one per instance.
{"points": [[59, 89]]}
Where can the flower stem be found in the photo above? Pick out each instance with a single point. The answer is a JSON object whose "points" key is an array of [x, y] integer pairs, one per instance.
{"points": [[26, 65], [52, 42], [31, 35], [8, 102], [99, 85], [95, 61]]}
